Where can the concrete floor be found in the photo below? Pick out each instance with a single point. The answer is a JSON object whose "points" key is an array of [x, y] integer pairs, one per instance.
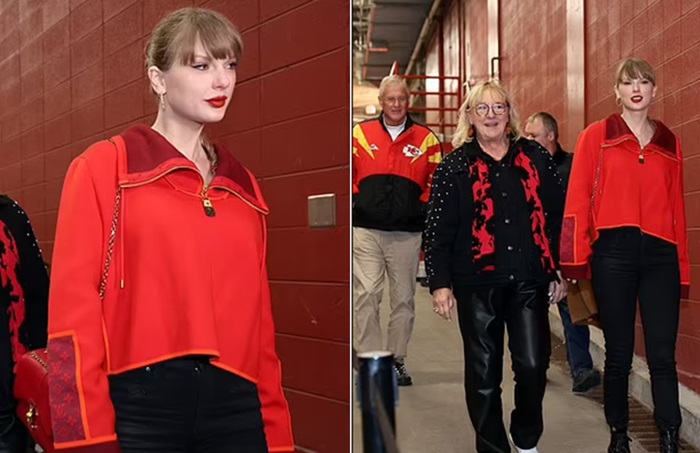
{"points": [[431, 415]]}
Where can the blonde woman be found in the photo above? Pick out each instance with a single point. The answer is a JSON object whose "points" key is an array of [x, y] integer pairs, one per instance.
{"points": [[495, 210], [179, 355], [625, 229]]}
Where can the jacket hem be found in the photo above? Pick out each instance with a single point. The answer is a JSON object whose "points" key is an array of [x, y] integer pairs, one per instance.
{"points": [[576, 271], [85, 447], [395, 227]]}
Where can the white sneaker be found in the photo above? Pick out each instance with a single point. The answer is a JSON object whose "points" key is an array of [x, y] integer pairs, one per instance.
{"points": [[520, 450]]}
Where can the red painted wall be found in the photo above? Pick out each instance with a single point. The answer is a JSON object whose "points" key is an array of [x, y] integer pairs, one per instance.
{"points": [[533, 46], [533, 65], [72, 72]]}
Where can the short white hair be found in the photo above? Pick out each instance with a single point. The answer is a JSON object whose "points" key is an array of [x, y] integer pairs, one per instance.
{"points": [[392, 80]]}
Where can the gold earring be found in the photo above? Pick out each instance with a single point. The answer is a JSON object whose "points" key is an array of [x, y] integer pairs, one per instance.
{"points": [[161, 97], [618, 101]]}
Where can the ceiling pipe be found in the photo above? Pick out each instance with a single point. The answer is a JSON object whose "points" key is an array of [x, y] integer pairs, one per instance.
{"points": [[424, 33]]}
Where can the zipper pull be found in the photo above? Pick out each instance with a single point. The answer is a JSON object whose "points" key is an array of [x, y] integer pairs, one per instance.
{"points": [[641, 158], [208, 207]]}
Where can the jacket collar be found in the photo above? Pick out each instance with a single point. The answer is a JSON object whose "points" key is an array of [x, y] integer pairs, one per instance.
{"points": [[407, 126], [473, 149], [559, 154], [149, 156], [616, 130]]}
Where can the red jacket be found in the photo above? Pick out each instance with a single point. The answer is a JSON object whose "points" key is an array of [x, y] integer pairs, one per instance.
{"points": [[391, 178], [181, 282], [647, 195]]}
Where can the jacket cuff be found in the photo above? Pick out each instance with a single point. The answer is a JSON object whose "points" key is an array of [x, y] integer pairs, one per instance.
{"points": [[576, 271], [685, 290], [105, 447], [435, 284]]}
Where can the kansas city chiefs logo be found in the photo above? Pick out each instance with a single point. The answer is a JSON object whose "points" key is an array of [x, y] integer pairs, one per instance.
{"points": [[411, 151]]}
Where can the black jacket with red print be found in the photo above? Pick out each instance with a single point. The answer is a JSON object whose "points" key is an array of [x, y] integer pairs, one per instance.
{"points": [[24, 290], [476, 216]]}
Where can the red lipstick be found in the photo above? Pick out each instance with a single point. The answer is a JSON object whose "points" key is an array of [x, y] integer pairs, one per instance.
{"points": [[217, 102]]}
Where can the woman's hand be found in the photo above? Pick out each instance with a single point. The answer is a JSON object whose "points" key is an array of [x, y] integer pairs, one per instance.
{"points": [[557, 289], [444, 302]]}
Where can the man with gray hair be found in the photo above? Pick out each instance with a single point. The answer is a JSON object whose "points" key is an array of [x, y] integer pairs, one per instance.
{"points": [[392, 167], [542, 128]]}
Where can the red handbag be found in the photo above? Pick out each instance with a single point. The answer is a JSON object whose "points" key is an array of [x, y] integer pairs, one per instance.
{"points": [[32, 394], [31, 374]]}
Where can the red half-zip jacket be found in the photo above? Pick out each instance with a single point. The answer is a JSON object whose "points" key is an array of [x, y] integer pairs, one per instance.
{"points": [[181, 282], [638, 187]]}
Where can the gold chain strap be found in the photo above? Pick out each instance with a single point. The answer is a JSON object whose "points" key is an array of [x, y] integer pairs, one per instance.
{"points": [[36, 357], [597, 178], [112, 239], [110, 246]]}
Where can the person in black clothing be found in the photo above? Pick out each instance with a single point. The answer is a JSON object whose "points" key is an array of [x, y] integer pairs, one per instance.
{"points": [[491, 249], [24, 288], [543, 128]]}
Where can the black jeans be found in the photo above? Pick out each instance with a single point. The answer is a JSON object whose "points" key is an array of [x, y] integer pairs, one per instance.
{"points": [[186, 405], [483, 314], [627, 265], [13, 434]]}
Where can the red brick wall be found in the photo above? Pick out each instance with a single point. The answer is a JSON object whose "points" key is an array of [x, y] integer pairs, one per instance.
{"points": [[478, 67], [533, 52], [533, 40], [72, 72]]}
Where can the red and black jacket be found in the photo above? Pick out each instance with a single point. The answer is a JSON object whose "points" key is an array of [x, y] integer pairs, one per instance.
{"points": [[24, 294], [469, 240], [391, 179]]}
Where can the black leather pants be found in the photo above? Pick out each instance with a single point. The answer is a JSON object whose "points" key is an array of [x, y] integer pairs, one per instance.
{"points": [[483, 314]]}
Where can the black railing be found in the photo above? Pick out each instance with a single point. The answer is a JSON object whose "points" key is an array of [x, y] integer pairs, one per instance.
{"points": [[377, 391]]}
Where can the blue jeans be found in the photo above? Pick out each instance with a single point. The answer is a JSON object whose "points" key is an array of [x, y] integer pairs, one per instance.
{"points": [[578, 340]]}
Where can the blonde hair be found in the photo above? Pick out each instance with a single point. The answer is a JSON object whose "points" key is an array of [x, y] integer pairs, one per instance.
{"points": [[392, 80], [175, 36], [635, 68], [475, 96]]}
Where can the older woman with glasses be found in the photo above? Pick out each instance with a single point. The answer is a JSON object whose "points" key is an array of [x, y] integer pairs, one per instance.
{"points": [[495, 213]]}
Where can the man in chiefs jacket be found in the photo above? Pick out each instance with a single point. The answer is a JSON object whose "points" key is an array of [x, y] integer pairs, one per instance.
{"points": [[393, 163]]}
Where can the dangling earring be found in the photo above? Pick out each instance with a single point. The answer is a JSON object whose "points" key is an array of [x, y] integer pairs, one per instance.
{"points": [[618, 101], [161, 97], [470, 131], [509, 131]]}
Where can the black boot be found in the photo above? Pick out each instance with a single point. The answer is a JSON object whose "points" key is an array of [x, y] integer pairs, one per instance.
{"points": [[669, 440], [619, 442]]}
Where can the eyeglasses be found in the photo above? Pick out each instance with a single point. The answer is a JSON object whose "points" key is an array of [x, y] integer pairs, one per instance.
{"points": [[392, 100], [498, 109]]}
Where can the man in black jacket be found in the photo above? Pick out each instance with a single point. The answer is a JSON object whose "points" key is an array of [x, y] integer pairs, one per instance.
{"points": [[24, 290], [543, 128]]}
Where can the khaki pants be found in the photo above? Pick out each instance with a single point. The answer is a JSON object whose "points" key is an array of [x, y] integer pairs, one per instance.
{"points": [[375, 252]]}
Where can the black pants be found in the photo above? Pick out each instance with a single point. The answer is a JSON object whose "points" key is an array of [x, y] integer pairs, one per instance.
{"points": [[628, 265], [186, 405], [13, 434], [483, 314]]}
